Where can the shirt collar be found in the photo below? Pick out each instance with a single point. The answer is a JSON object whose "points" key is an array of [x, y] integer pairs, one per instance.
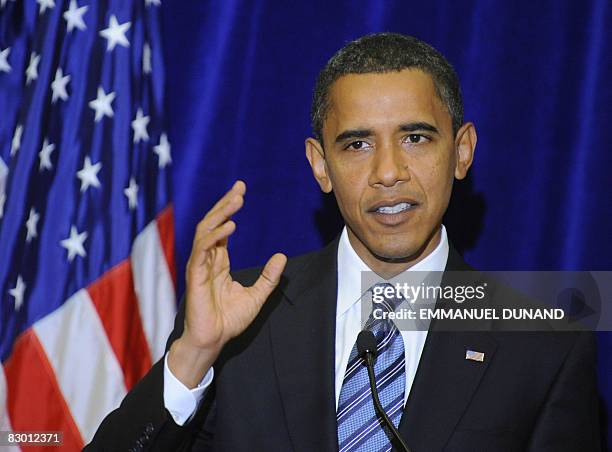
{"points": [[350, 267]]}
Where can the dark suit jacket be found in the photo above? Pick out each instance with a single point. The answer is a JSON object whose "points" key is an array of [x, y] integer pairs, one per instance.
{"points": [[274, 385]]}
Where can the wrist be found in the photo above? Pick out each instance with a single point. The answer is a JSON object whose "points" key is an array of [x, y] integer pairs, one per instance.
{"points": [[189, 363]]}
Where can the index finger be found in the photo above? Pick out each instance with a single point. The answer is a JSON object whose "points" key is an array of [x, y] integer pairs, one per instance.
{"points": [[229, 204], [239, 188]]}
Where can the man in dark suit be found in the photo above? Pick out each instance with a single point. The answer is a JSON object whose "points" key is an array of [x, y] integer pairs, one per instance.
{"points": [[266, 359]]}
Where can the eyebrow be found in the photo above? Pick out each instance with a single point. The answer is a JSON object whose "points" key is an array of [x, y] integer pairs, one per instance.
{"points": [[416, 126], [354, 133], [407, 127]]}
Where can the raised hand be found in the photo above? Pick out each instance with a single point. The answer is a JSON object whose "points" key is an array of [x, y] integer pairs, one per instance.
{"points": [[217, 307]]}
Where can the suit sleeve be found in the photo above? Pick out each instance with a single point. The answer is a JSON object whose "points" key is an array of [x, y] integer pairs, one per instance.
{"points": [[142, 422], [569, 419]]}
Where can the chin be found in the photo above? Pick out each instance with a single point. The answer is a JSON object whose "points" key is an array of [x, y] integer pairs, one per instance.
{"points": [[396, 251], [404, 246]]}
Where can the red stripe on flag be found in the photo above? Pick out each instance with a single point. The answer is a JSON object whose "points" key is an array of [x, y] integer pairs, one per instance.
{"points": [[115, 300], [34, 399], [165, 226]]}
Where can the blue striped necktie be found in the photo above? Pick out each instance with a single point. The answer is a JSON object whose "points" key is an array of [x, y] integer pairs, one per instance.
{"points": [[359, 427]]}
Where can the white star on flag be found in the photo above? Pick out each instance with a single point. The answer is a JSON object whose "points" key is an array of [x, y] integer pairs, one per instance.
{"points": [[146, 58], [131, 192], [74, 243], [32, 70], [32, 224], [102, 104], [115, 33], [163, 151], [59, 86], [152, 2], [17, 292], [74, 16], [45, 155], [16, 143], [44, 4], [4, 64], [89, 174], [139, 124]]}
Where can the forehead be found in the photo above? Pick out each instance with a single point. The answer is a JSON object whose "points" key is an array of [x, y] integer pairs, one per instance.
{"points": [[385, 100]]}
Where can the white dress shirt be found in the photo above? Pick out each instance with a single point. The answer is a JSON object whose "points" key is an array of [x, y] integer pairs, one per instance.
{"points": [[182, 402], [348, 310]]}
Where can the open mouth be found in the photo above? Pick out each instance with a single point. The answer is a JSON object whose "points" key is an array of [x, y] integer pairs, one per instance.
{"points": [[393, 212], [395, 208]]}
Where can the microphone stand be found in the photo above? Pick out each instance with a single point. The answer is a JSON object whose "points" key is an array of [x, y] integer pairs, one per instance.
{"points": [[367, 338]]}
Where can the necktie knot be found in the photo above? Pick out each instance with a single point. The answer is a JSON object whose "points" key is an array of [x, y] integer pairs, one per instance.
{"points": [[384, 301], [384, 296]]}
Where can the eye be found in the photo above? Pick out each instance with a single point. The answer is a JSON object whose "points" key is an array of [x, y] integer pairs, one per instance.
{"points": [[416, 138], [357, 145]]}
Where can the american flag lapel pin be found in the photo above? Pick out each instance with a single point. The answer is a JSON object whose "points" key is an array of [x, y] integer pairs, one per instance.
{"points": [[473, 355]]}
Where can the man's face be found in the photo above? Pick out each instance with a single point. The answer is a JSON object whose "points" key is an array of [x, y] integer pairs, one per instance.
{"points": [[390, 158]]}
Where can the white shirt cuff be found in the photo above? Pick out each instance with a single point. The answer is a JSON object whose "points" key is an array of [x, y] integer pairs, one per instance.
{"points": [[179, 400]]}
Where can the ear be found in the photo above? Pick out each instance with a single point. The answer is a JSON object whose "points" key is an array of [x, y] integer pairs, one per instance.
{"points": [[316, 157], [465, 144]]}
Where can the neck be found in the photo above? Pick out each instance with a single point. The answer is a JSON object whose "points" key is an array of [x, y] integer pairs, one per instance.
{"points": [[387, 268]]}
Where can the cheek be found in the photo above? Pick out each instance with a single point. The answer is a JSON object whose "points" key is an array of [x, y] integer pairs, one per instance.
{"points": [[349, 183], [436, 179], [349, 199]]}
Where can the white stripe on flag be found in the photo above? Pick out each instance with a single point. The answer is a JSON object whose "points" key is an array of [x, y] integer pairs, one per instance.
{"points": [[85, 365], [154, 289], [5, 422]]}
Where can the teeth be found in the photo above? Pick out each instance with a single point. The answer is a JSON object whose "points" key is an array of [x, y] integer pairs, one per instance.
{"points": [[397, 208]]}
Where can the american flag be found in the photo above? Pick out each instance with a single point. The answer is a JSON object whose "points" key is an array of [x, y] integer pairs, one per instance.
{"points": [[87, 279]]}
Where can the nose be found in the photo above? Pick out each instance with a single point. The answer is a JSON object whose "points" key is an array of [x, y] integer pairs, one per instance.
{"points": [[389, 166]]}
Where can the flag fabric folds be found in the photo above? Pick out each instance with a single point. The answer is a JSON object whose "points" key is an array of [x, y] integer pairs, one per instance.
{"points": [[87, 279]]}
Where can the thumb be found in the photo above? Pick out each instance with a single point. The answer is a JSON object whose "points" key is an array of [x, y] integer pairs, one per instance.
{"points": [[269, 278]]}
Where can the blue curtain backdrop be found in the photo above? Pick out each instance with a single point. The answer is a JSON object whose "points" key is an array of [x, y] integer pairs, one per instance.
{"points": [[536, 80]]}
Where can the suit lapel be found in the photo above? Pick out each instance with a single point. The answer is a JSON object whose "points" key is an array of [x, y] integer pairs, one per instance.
{"points": [[445, 381], [303, 337], [303, 344]]}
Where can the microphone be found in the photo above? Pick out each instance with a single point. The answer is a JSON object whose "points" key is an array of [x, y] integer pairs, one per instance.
{"points": [[366, 347]]}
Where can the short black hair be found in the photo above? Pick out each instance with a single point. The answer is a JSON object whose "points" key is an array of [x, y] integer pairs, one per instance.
{"points": [[387, 52]]}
